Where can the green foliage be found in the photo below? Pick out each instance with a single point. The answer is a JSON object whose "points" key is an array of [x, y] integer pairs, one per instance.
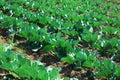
{"points": [[109, 46], [106, 68], [88, 37], [24, 68], [60, 27]]}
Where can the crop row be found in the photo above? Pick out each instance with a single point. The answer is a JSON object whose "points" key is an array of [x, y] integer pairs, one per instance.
{"points": [[62, 30], [24, 68], [40, 19], [75, 56], [35, 17], [84, 17], [33, 33], [60, 4], [88, 37]]}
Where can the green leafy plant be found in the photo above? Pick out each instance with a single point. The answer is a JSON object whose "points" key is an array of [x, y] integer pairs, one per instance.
{"points": [[110, 31], [108, 46], [88, 37], [23, 67], [65, 28]]}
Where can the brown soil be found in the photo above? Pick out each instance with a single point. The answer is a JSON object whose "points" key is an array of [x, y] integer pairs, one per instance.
{"points": [[2, 40], [51, 60], [3, 73], [66, 69], [4, 33], [48, 59]]}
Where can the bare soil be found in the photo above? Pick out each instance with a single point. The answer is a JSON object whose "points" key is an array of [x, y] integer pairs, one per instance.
{"points": [[48, 59]]}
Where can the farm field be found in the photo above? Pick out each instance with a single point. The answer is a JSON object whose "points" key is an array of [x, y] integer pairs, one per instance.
{"points": [[60, 39]]}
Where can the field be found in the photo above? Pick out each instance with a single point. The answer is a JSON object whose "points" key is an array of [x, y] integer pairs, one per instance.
{"points": [[60, 39]]}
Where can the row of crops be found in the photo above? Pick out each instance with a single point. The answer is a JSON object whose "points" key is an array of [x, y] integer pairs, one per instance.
{"points": [[24, 68], [78, 32]]}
